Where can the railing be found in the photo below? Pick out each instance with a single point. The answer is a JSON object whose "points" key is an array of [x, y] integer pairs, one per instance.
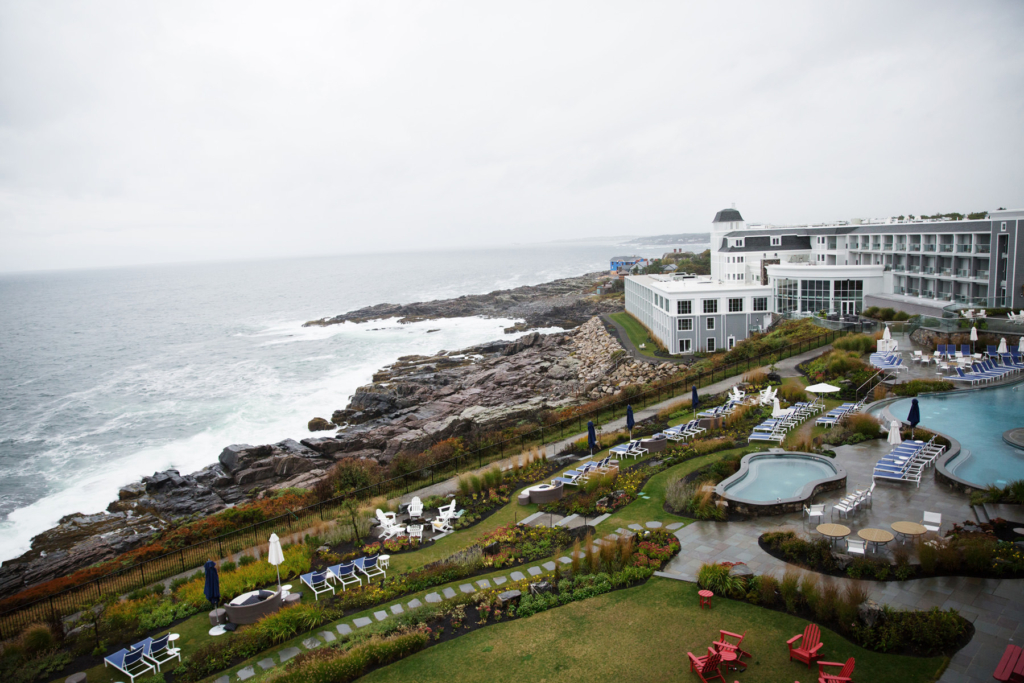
{"points": [[981, 274], [929, 270], [982, 249], [915, 269], [929, 247], [915, 247], [963, 272], [963, 248], [887, 247], [899, 269], [53, 607], [947, 271], [946, 248]]}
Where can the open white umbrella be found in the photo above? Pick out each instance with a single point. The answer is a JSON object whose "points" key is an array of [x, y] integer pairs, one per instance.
{"points": [[974, 337], [894, 434], [822, 389], [275, 556], [1002, 345]]}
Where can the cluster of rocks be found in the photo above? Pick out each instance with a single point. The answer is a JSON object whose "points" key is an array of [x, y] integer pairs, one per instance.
{"points": [[564, 303], [604, 367]]}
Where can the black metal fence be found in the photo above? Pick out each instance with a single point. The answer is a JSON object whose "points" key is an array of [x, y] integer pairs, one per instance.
{"points": [[192, 557]]}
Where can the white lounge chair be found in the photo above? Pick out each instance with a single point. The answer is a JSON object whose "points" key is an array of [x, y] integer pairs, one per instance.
{"points": [[855, 546], [932, 521], [129, 662], [345, 573], [318, 583], [814, 511]]}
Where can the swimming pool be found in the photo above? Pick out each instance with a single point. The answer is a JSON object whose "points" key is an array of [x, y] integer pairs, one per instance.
{"points": [[771, 477], [977, 419]]}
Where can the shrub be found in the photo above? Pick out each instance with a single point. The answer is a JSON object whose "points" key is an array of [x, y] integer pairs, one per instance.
{"points": [[792, 393], [227, 566], [756, 379], [789, 590], [465, 488], [246, 560], [921, 386], [858, 343], [768, 589], [862, 423], [36, 639]]}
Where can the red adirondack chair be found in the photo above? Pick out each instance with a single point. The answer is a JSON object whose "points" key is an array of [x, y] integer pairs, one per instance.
{"points": [[810, 643], [844, 676], [1011, 665], [707, 666], [723, 644]]}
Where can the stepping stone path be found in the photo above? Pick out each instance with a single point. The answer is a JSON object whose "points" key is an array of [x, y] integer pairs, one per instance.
{"points": [[223, 679], [534, 571], [310, 643], [636, 527], [448, 593], [415, 604], [518, 576], [246, 673], [396, 609], [267, 663], [433, 598], [483, 583], [565, 560], [360, 622], [380, 615], [344, 629], [550, 566], [675, 525], [289, 652], [327, 636], [653, 525], [500, 580], [467, 588]]}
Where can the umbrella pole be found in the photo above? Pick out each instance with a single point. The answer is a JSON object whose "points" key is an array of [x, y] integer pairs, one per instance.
{"points": [[278, 568]]}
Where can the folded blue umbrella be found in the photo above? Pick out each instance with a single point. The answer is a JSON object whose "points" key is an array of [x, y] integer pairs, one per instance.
{"points": [[212, 588], [914, 418], [591, 437], [694, 399], [629, 420]]}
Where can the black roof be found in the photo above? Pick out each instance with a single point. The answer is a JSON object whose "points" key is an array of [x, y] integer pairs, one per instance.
{"points": [[728, 216], [763, 243]]}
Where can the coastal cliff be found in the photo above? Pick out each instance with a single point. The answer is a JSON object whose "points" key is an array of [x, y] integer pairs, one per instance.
{"points": [[409, 406]]}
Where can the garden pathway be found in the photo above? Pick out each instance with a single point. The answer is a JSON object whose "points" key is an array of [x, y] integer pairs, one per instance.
{"points": [[995, 606]]}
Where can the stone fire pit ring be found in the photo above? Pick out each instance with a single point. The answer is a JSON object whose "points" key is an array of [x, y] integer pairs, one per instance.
{"points": [[542, 493]]}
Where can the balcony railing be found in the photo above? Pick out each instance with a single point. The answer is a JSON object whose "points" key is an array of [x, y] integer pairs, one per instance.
{"points": [[887, 247], [929, 247], [901, 246], [982, 248], [915, 247], [948, 248], [877, 246], [947, 271], [899, 269], [914, 292], [981, 274], [963, 248], [927, 294], [963, 272], [929, 270], [915, 269], [899, 290]]}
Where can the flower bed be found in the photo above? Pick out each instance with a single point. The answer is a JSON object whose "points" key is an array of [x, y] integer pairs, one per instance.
{"points": [[846, 611]]}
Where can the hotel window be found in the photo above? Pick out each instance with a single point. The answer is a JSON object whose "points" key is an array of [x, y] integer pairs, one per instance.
{"points": [[731, 342], [814, 295], [737, 243], [760, 303], [735, 305], [711, 344], [1002, 227], [776, 241], [684, 307], [711, 305], [684, 324], [711, 323], [684, 346]]}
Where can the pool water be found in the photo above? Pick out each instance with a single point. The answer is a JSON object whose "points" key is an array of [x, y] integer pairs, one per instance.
{"points": [[976, 419], [772, 477]]}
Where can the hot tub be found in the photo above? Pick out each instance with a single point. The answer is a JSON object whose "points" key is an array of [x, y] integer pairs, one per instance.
{"points": [[542, 493], [775, 483]]}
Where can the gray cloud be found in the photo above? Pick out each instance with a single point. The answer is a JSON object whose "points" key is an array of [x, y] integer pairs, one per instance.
{"points": [[133, 132]]}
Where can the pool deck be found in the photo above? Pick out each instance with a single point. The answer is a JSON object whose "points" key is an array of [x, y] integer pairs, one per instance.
{"points": [[995, 606]]}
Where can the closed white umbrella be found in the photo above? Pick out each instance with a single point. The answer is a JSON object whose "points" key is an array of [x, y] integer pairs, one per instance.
{"points": [[1020, 346], [1002, 345], [886, 335], [275, 556], [974, 337], [777, 410], [894, 434]]}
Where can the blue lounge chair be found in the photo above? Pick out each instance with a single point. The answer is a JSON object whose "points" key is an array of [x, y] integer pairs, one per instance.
{"points": [[369, 566], [156, 650], [345, 573], [961, 376], [129, 662], [965, 349], [318, 583]]}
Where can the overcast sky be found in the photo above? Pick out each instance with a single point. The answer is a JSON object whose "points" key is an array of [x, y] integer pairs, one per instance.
{"points": [[136, 132]]}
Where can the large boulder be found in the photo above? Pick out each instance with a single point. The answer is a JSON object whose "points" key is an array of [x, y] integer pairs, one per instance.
{"points": [[293, 464], [324, 445], [253, 475], [869, 613], [319, 424], [293, 447], [230, 456], [161, 481]]}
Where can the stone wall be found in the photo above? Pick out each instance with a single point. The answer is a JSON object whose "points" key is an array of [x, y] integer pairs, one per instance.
{"points": [[595, 351]]}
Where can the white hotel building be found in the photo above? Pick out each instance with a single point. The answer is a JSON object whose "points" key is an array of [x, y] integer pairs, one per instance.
{"points": [[918, 266]]}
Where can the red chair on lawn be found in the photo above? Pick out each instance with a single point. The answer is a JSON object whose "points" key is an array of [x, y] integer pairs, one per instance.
{"points": [[810, 643], [844, 676], [723, 644], [707, 666]]}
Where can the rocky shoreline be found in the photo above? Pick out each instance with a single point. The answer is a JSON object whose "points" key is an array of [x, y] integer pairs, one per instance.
{"points": [[409, 406]]}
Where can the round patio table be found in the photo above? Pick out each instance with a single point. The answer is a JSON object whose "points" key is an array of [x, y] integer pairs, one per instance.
{"points": [[728, 659], [875, 536], [705, 598], [905, 529], [834, 531]]}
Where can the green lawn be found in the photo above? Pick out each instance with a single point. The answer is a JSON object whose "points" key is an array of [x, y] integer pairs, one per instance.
{"points": [[638, 634], [637, 333]]}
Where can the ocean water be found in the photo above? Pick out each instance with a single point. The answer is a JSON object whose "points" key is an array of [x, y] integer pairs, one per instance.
{"points": [[109, 375]]}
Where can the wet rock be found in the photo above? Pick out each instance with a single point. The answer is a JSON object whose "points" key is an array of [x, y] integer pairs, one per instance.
{"points": [[319, 424], [253, 475], [323, 445], [230, 455], [291, 465], [293, 447], [869, 613]]}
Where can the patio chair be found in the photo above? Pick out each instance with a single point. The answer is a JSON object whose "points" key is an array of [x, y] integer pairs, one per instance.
{"points": [[416, 531], [156, 650], [345, 573], [810, 643], [416, 508], [389, 528], [706, 666], [845, 507], [814, 511], [318, 583], [129, 662], [443, 524], [844, 676], [855, 546], [932, 521], [723, 644], [368, 566]]}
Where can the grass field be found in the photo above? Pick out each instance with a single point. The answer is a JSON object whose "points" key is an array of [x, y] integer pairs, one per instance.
{"points": [[639, 634], [637, 333]]}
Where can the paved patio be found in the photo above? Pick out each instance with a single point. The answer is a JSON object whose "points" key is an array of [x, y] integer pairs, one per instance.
{"points": [[996, 607]]}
